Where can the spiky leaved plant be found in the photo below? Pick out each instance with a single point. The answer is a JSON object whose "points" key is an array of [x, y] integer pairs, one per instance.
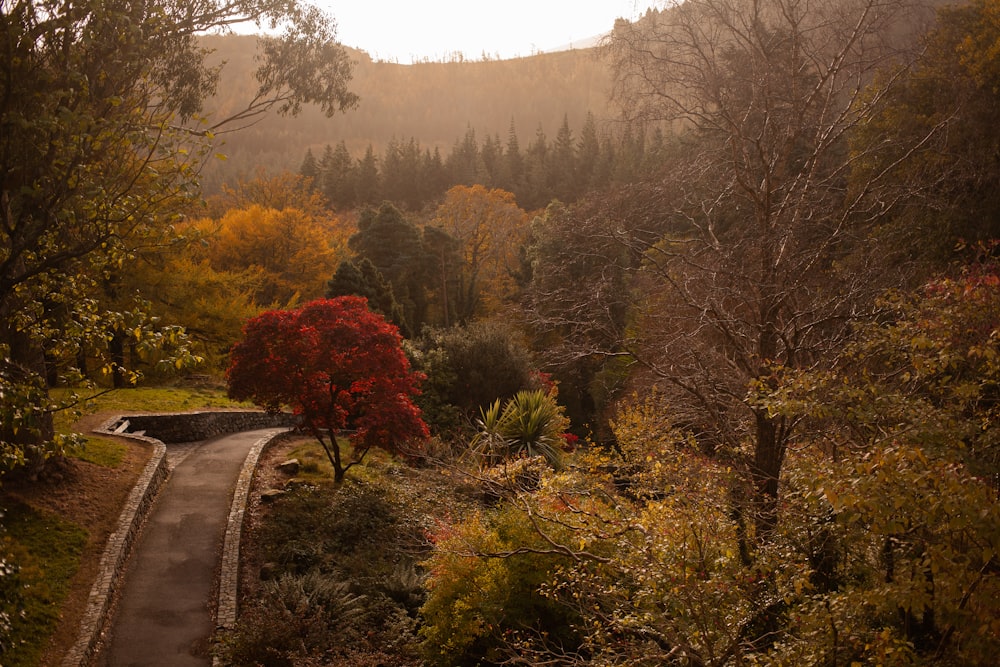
{"points": [[531, 423]]}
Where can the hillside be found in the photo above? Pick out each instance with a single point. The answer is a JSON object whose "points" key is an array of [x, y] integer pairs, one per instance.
{"points": [[434, 103]]}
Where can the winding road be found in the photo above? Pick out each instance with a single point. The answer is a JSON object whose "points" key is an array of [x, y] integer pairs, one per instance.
{"points": [[165, 615]]}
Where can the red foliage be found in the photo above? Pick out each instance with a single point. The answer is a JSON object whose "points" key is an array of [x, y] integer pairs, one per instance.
{"points": [[335, 363]]}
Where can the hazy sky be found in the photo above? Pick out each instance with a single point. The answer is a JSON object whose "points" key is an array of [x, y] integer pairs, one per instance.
{"points": [[411, 30]]}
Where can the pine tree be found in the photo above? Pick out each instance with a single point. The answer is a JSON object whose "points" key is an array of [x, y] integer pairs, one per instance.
{"points": [[562, 166], [310, 168], [368, 189]]}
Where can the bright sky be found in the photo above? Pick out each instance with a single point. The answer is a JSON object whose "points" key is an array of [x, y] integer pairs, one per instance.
{"points": [[412, 30]]}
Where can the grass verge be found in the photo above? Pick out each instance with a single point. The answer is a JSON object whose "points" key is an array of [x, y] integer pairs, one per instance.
{"points": [[141, 399], [101, 451], [47, 550]]}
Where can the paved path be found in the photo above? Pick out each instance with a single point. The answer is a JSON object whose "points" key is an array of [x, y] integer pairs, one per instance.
{"points": [[164, 617]]}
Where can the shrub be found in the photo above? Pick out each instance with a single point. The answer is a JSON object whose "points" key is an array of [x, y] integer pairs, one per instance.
{"points": [[485, 586], [467, 369], [295, 618]]}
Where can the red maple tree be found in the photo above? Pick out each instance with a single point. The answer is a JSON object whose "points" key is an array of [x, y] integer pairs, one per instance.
{"points": [[337, 365]]}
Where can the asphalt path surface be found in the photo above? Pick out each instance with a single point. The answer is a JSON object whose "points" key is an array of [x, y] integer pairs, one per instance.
{"points": [[164, 616]]}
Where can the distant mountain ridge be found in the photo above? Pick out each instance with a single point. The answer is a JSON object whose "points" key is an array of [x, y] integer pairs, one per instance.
{"points": [[435, 103]]}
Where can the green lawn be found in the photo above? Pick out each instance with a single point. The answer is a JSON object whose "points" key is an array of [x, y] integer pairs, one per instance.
{"points": [[142, 399]]}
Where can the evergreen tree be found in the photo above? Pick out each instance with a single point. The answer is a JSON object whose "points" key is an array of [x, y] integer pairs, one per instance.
{"points": [[538, 191], [368, 189], [394, 178], [463, 163], [362, 278], [310, 168], [415, 187], [492, 160], [562, 167], [444, 261], [588, 156], [395, 248], [435, 176], [514, 179], [340, 178]]}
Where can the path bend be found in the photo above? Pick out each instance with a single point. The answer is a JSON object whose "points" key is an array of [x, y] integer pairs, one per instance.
{"points": [[165, 613]]}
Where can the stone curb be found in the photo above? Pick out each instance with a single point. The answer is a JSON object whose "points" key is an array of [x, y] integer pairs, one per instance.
{"points": [[225, 614], [118, 547]]}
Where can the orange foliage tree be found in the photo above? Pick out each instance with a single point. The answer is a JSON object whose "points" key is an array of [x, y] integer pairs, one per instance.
{"points": [[297, 252]]}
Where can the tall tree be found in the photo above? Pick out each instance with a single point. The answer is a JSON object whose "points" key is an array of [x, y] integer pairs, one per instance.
{"points": [[563, 163], [101, 139], [310, 167], [490, 229], [368, 186], [394, 245], [513, 180], [290, 248], [538, 181], [588, 155], [464, 161], [951, 98], [338, 177], [361, 278]]}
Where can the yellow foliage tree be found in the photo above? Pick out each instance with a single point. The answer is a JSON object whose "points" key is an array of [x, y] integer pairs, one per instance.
{"points": [[491, 228]]}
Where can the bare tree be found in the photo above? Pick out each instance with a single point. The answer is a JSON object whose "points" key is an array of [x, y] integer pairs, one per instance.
{"points": [[757, 258]]}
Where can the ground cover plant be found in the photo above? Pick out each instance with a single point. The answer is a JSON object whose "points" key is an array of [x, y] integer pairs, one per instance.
{"points": [[331, 572]]}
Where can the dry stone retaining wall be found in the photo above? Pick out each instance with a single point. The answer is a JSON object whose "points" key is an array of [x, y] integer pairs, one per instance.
{"points": [[192, 426]]}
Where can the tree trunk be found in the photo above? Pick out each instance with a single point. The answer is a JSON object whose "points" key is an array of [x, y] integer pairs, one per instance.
{"points": [[116, 348], [768, 458]]}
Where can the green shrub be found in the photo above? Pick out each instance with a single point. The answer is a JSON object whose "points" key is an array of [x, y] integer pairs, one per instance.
{"points": [[340, 556], [295, 618], [467, 369]]}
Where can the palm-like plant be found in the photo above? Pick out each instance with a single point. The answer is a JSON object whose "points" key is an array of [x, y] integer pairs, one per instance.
{"points": [[529, 424]]}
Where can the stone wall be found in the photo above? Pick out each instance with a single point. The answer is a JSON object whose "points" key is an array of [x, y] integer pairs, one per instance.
{"points": [[116, 552], [192, 426]]}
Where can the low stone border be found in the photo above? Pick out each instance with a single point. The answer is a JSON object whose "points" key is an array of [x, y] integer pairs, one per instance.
{"points": [[225, 614], [118, 548]]}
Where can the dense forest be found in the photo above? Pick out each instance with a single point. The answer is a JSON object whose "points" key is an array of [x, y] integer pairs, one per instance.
{"points": [[723, 374]]}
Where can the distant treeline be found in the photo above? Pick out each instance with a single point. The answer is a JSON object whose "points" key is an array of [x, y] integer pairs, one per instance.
{"points": [[412, 176], [435, 102]]}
